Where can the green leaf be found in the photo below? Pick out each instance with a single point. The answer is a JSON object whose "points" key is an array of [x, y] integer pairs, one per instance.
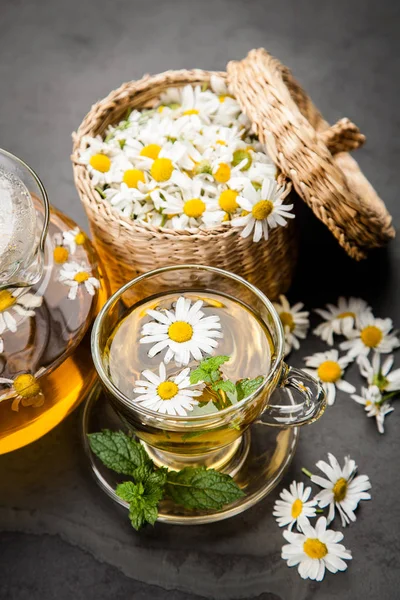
{"points": [[245, 387], [213, 363], [201, 488], [208, 370], [143, 498], [224, 385], [119, 452]]}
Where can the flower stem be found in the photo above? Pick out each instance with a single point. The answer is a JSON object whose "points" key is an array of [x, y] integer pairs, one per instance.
{"points": [[319, 511], [306, 472]]}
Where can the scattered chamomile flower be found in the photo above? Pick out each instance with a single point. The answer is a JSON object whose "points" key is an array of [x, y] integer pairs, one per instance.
{"points": [[374, 404], [342, 489], [294, 506], [315, 550], [184, 331], [370, 334], [265, 210], [340, 319], [329, 369], [24, 389], [171, 396], [76, 275], [381, 376], [295, 322], [73, 238], [18, 302]]}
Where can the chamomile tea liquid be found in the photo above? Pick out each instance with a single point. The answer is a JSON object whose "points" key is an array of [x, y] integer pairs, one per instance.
{"points": [[245, 339]]}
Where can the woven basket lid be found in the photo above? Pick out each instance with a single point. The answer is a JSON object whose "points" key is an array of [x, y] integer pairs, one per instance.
{"points": [[310, 152]]}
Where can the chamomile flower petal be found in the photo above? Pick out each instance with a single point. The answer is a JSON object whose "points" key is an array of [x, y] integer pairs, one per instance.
{"points": [[339, 319], [375, 405]]}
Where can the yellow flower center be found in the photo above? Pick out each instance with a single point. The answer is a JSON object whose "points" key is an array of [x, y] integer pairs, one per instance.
{"points": [[340, 489], [180, 331], [314, 548], [6, 300], [82, 276], [221, 142], [227, 201], [194, 208], [100, 162], [244, 213], [160, 108], [345, 314], [80, 238], [191, 111], [161, 169], [297, 507], [167, 390], [371, 336], [60, 254], [151, 151], [329, 371], [26, 385], [287, 320], [132, 177], [262, 209], [223, 97], [223, 173], [240, 155], [226, 218]]}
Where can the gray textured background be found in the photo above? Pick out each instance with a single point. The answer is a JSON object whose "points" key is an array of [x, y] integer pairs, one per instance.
{"points": [[59, 536]]}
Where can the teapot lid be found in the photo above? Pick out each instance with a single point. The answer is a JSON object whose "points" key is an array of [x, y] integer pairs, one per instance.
{"points": [[310, 152]]}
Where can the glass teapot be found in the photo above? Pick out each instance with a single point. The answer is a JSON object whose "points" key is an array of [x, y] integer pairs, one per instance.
{"points": [[51, 288]]}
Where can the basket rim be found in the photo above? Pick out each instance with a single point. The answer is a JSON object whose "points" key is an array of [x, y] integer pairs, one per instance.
{"points": [[184, 77]]}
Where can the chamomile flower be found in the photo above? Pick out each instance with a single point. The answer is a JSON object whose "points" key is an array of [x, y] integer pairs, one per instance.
{"points": [[18, 304], [184, 332], [315, 550], [295, 322], [329, 369], [225, 108], [73, 238], [192, 206], [294, 506], [343, 490], [24, 389], [195, 106], [340, 319], [265, 210], [371, 334], [75, 275], [374, 404], [167, 395], [98, 157], [380, 375]]}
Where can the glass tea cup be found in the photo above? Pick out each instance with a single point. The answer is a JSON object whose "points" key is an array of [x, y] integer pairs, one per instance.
{"points": [[287, 397]]}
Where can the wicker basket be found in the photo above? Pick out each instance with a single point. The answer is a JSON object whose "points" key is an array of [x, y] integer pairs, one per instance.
{"points": [[297, 138]]}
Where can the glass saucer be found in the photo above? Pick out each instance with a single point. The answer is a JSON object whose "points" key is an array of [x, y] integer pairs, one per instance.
{"points": [[259, 463]]}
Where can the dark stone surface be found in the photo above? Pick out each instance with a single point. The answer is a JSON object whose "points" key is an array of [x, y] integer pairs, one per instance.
{"points": [[59, 536]]}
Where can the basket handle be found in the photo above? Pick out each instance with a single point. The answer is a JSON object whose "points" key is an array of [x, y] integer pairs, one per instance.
{"points": [[343, 136]]}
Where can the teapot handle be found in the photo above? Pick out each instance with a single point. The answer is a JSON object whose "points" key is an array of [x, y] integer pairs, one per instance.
{"points": [[297, 400]]}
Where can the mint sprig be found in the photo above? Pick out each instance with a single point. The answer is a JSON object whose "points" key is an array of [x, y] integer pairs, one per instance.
{"points": [[209, 372], [193, 488]]}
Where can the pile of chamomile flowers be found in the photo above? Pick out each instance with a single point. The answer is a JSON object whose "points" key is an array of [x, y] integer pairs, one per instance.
{"points": [[190, 163]]}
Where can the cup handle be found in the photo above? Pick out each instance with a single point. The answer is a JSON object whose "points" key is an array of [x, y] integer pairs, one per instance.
{"points": [[298, 399]]}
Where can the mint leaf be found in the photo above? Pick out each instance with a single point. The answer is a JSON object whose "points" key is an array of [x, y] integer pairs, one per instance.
{"points": [[224, 385], [119, 452], [201, 488], [143, 498], [245, 387], [208, 370]]}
